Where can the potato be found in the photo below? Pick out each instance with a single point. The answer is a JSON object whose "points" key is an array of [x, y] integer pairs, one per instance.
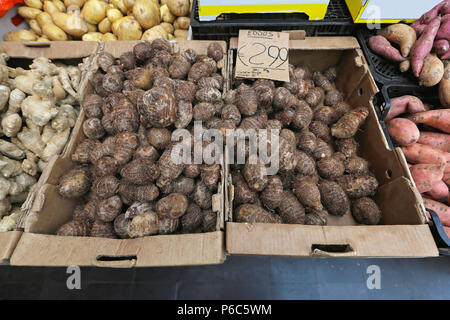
{"points": [[77, 3], [146, 13], [34, 25], [129, 29], [157, 32], [181, 34], [92, 36], [179, 7], [28, 12], [94, 11], [71, 23], [60, 5], [20, 35], [166, 15], [42, 39], [182, 23], [54, 32], [129, 3], [37, 4], [170, 36], [113, 14], [50, 7], [109, 37], [168, 27], [44, 18], [119, 4], [91, 27], [104, 26]]}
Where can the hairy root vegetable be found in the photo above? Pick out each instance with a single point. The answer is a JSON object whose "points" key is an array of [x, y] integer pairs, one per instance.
{"points": [[366, 211], [251, 213], [349, 124], [358, 186], [334, 198], [75, 183], [307, 192], [290, 209]]}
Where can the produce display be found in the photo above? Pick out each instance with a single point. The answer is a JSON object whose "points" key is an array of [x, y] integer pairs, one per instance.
{"points": [[125, 179], [38, 109], [423, 135], [100, 20], [422, 47], [320, 172]]}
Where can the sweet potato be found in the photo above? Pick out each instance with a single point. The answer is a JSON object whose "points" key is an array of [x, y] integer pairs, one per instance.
{"points": [[441, 210], [441, 46], [400, 34], [403, 132], [418, 27], [381, 46], [419, 153], [439, 119], [432, 14], [444, 29], [445, 9], [446, 179], [422, 47], [439, 141], [432, 71], [439, 192], [444, 87], [426, 175], [404, 104]]}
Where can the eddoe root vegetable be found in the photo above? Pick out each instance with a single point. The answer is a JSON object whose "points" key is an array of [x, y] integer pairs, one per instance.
{"points": [[126, 176], [38, 108], [316, 135]]}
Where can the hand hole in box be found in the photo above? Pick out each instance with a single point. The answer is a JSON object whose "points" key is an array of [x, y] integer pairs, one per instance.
{"points": [[360, 91], [389, 173], [332, 248]]}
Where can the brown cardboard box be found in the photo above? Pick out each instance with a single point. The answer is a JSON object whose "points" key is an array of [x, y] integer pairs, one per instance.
{"points": [[20, 55], [39, 246], [403, 232]]}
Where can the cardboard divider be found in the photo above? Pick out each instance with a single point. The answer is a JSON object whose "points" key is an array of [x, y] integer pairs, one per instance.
{"points": [[38, 246], [402, 233]]}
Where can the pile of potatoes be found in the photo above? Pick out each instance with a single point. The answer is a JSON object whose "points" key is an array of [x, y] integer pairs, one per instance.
{"points": [[98, 20]]}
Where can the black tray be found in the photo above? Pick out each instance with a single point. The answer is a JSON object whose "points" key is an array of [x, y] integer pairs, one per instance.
{"points": [[337, 22], [383, 71], [382, 105]]}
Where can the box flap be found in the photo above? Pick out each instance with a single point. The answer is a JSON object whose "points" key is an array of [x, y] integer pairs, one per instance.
{"points": [[304, 241], [167, 250], [8, 242]]}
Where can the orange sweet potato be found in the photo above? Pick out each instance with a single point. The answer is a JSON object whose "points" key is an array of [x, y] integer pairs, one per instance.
{"points": [[439, 119], [441, 210], [382, 46], [422, 47], [426, 176], [444, 87], [446, 179], [404, 104], [439, 192], [432, 71], [400, 34], [419, 153], [439, 141], [403, 132]]}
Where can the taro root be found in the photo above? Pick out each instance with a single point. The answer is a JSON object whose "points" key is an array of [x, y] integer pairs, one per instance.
{"points": [[145, 224], [246, 100], [109, 209], [316, 217], [330, 74], [168, 168], [307, 192], [121, 224], [180, 67], [209, 82], [192, 219], [97, 82], [252, 213], [314, 97], [168, 226], [305, 164], [215, 51], [290, 209], [323, 150], [321, 81], [356, 165], [292, 86], [366, 211], [75, 183], [203, 111], [303, 115], [255, 175], [185, 90], [112, 83], [92, 105], [358, 186], [306, 141], [210, 174], [242, 193], [208, 94], [264, 95], [326, 114], [286, 116], [202, 196], [184, 114], [125, 117], [173, 206], [272, 195], [93, 129], [142, 51], [146, 152], [231, 112], [105, 166], [334, 198], [348, 125], [320, 130], [83, 150], [289, 136], [131, 192], [159, 137], [140, 78], [115, 69], [164, 82], [348, 146], [110, 102], [158, 107], [75, 228], [302, 73], [140, 172], [125, 145], [87, 211], [333, 97], [101, 229], [191, 170], [283, 99], [229, 97], [190, 55], [303, 89], [99, 150], [127, 60], [286, 153], [161, 44], [183, 185], [198, 71], [105, 187], [342, 108], [162, 59], [330, 168], [105, 60], [209, 221]]}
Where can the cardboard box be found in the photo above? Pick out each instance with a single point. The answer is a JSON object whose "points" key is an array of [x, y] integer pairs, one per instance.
{"points": [[403, 233], [210, 9], [388, 11], [38, 246]]}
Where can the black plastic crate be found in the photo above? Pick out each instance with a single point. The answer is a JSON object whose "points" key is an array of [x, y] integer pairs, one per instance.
{"points": [[383, 71], [337, 22], [382, 105]]}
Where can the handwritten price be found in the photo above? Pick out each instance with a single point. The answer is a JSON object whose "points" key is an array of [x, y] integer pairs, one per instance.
{"points": [[274, 52]]}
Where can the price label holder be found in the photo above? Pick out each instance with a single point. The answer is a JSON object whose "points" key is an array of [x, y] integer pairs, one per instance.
{"points": [[263, 54]]}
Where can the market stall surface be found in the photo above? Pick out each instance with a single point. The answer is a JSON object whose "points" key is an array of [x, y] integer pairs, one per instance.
{"points": [[242, 278]]}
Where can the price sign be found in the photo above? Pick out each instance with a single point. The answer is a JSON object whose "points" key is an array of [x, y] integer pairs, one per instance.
{"points": [[263, 54]]}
